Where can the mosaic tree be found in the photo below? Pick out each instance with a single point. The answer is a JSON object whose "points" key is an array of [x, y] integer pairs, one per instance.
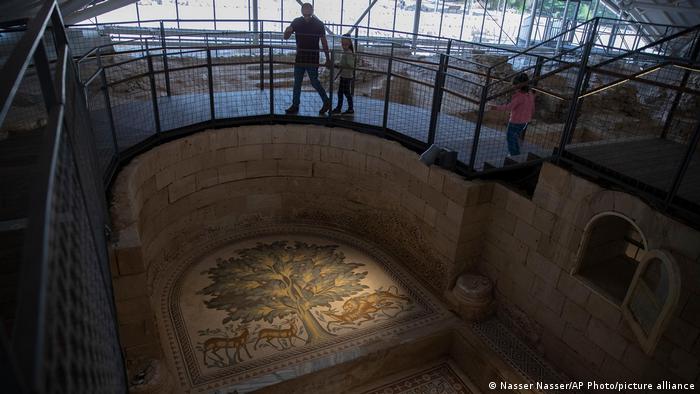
{"points": [[275, 280]]}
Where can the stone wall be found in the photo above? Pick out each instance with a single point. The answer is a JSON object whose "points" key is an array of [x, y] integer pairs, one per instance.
{"points": [[530, 250], [187, 193], [184, 194]]}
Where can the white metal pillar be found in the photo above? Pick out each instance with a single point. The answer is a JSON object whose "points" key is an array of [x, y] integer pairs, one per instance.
{"points": [[532, 23], [563, 27], [416, 22]]}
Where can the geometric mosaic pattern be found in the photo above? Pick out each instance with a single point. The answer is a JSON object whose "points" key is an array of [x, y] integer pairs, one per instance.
{"points": [[439, 379], [527, 362]]}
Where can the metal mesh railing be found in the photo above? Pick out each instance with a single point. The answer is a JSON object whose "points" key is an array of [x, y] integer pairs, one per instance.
{"points": [[63, 323], [143, 86], [81, 350], [402, 87]]}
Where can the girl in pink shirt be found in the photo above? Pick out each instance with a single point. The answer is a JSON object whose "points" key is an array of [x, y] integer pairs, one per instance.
{"points": [[521, 107]]}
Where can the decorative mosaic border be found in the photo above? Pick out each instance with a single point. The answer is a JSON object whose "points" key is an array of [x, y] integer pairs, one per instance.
{"points": [[521, 357], [415, 380], [179, 340]]}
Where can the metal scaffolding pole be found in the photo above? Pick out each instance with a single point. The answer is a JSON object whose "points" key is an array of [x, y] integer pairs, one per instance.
{"points": [[254, 8], [416, 22], [369, 7], [563, 28], [483, 20], [532, 23], [520, 24], [464, 13], [503, 18]]}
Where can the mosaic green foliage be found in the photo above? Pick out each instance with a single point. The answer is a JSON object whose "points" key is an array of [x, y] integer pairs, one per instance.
{"points": [[275, 280]]}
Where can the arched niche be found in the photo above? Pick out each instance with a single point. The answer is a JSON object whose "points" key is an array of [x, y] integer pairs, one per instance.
{"points": [[613, 247], [652, 298]]}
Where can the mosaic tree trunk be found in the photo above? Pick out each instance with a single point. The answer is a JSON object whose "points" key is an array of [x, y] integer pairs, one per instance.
{"points": [[277, 280]]}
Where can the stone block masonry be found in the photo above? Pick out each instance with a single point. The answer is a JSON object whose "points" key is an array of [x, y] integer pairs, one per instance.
{"points": [[185, 193], [583, 330]]}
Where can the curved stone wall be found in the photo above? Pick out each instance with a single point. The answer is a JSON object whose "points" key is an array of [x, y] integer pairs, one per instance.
{"points": [[193, 191], [198, 190]]}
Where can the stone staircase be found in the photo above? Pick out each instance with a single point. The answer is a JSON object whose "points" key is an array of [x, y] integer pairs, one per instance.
{"points": [[284, 76], [512, 161]]}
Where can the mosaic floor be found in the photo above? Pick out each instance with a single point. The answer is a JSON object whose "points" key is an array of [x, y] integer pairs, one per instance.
{"points": [[282, 297], [439, 379]]}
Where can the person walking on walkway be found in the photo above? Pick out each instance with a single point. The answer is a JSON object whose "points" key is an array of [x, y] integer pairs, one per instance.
{"points": [[308, 30], [521, 107], [347, 65]]}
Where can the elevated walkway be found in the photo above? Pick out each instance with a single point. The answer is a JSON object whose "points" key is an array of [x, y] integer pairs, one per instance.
{"points": [[53, 219]]}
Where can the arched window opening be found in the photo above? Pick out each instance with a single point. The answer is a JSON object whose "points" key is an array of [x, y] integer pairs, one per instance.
{"points": [[653, 296], [611, 252]]}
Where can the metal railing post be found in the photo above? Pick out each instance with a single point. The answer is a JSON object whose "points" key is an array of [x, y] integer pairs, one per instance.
{"points": [[272, 82], [165, 59], [538, 70], [154, 96], [108, 103], [354, 68], [262, 58], [693, 54], [385, 118], [330, 82], [210, 78], [479, 120], [581, 80], [683, 167], [43, 72], [437, 98]]}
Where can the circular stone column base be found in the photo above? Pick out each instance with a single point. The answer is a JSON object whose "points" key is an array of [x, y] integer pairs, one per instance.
{"points": [[472, 296]]}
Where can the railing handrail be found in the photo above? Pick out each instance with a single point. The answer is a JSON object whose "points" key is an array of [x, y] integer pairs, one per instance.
{"points": [[27, 338], [136, 41], [29, 44], [20, 58], [551, 39], [653, 44], [39, 264], [206, 32]]}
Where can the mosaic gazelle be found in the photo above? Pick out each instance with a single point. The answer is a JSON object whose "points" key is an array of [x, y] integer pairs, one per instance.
{"points": [[213, 345], [281, 288], [268, 334]]}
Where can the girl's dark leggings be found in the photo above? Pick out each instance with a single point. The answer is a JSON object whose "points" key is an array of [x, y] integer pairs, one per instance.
{"points": [[345, 88]]}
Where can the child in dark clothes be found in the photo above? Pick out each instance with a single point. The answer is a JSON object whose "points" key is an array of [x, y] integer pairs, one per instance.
{"points": [[347, 65]]}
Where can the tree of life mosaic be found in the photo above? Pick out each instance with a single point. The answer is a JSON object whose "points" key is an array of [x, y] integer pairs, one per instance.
{"points": [[284, 294]]}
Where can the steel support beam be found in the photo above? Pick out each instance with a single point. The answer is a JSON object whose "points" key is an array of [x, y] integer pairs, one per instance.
{"points": [[359, 20], [416, 23], [91, 12], [532, 23], [668, 8], [70, 6]]}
